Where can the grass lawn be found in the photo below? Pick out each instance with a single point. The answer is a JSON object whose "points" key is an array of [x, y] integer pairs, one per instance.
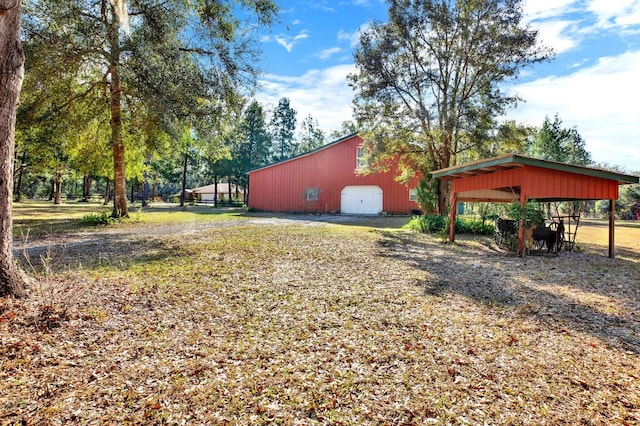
{"points": [[42, 217], [255, 320]]}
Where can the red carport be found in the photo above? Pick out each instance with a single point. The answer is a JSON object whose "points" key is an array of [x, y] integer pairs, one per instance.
{"points": [[516, 177]]}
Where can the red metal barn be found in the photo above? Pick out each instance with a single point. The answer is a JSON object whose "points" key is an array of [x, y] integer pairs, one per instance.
{"points": [[329, 180]]}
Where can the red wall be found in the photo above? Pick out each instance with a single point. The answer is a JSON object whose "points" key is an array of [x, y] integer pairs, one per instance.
{"points": [[537, 182], [282, 187]]}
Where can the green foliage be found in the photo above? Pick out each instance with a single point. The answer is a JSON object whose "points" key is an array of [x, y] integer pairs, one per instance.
{"points": [[311, 135], [553, 142], [102, 218], [509, 137], [429, 223], [427, 192], [473, 226], [428, 82], [628, 206], [282, 129], [348, 127], [137, 78], [531, 213], [436, 224]]}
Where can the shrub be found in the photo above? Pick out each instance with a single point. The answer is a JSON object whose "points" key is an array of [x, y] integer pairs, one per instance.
{"points": [[103, 218], [531, 213], [430, 223], [435, 224], [473, 226]]}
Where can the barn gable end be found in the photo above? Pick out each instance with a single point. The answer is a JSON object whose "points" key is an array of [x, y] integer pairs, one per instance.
{"points": [[322, 180]]}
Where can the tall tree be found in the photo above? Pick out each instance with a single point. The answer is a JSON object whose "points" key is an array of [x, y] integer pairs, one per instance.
{"points": [[282, 127], [348, 127], [311, 135], [12, 280], [554, 142], [509, 137], [253, 144], [168, 56], [428, 81]]}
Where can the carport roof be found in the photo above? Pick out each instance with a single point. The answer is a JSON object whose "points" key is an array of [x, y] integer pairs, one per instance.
{"points": [[511, 161]]}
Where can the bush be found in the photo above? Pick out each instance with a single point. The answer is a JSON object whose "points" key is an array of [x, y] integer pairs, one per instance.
{"points": [[430, 223], [103, 218], [435, 224], [474, 226]]}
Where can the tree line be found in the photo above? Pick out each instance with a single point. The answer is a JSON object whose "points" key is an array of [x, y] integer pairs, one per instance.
{"points": [[192, 156]]}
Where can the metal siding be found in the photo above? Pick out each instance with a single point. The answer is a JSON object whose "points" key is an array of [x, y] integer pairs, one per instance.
{"points": [[537, 182], [282, 186], [547, 183]]}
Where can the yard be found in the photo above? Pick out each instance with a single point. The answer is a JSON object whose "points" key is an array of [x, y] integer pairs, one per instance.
{"points": [[199, 318]]}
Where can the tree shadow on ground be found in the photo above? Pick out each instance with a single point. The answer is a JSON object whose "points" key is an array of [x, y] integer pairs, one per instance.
{"points": [[572, 290], [369, 221], [97, 250]]}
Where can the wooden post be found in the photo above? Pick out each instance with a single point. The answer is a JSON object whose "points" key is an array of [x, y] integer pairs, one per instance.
{"points": [[523, 205], [452, 217], [612, 220]]}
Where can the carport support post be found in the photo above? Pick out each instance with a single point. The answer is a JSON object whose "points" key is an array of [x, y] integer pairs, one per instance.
{"points": [[452, 217], [523, 210], [612, 220]]}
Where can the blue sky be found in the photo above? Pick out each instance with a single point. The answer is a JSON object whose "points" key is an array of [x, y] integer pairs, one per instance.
{"points": [[593, 83]]}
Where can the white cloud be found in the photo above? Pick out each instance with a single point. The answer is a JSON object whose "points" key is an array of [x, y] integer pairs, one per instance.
{"points": [[289, 42], [555, 35], [611, 13], [600, 101], [328, 53], [353, 38], [543, 9], [323, 93], [564, 23]]}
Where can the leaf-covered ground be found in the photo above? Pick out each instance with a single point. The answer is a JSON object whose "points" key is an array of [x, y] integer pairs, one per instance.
{"points": [[326, 324]]}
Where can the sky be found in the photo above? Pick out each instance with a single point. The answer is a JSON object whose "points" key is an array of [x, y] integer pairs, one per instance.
{"points": [[592, 84]]}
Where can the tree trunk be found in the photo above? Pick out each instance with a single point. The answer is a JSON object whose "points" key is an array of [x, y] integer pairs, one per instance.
{"points": [[444, 195], [87, 182], [183, 194], [52, 189], [107, 192], [12, 279], [17, 193], [57, 199], [145, 187], [215, 190], [120, 208]]}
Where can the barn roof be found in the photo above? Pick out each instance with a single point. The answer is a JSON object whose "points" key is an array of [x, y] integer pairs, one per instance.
{"points": [[304, 154], [511, 161]]}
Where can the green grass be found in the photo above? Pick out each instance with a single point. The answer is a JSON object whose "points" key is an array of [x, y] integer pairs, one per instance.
{"points": [[45, 218], [594, 234]]}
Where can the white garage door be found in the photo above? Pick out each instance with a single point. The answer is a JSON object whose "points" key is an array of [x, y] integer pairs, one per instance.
{"points": [[363, 199]]}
